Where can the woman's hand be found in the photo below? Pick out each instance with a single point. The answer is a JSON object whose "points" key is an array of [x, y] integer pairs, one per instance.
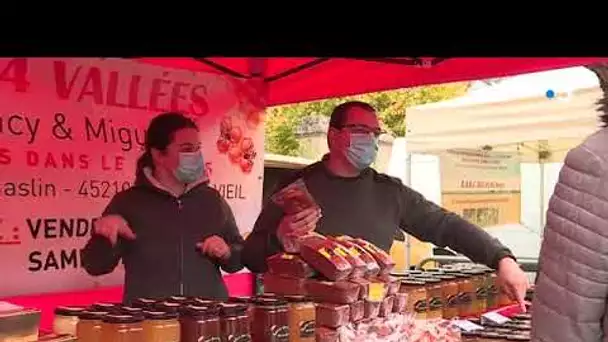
{"points": [[113, 226], [215, 246]]}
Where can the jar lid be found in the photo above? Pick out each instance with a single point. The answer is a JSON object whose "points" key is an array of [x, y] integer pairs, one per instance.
{"points": [[474, 272], [111, 318], [446, 276], [92, 315], [201, 302], [231, 310], [297, 299], [240, 299], [144, 302], [518, 338], [130, 310], [167, 306], [200, 311], [159, 315], [101, 306], [433, 270], [69, 310], [177, 299], [459, 274], [490, 335], [262, 301], [413, 282], [430, 280]]}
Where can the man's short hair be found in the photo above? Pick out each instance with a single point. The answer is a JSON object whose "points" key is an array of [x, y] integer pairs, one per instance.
{"points": [[340, 113]]}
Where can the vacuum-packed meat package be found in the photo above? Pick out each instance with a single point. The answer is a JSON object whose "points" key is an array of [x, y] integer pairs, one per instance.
{"points": [[382, 258], [400, 302], [372, 267], [364, 285], [353, 257], [320, 253], [294, 198], [289, 265], [284, 285], [372, 309], [392, 284], [339, 292], [332, 315], [326, 335], [387, 306], [357, 311]]}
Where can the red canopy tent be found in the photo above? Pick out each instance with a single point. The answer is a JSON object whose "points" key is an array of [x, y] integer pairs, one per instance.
{"points": [[291, 80]]}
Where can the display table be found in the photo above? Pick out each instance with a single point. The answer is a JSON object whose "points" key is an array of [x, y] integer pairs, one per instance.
{"points": [[239, 284]]}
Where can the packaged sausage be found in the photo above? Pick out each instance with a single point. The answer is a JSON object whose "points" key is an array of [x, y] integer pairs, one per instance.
{"points": [[326, 335], [294, 198], [289, 265], [284, 285], [372, 309], [400, 302], [353, 257], [392, 283], [364, 286], [320, 253], [332, 315], [372, 267], [384, 260], [357, 311], [340, 292], [387, 306]]}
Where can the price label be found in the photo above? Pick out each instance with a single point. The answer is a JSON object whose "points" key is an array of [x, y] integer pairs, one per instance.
{"points": [[467, 325], [8, 307], [494, 317], [377, 292]]}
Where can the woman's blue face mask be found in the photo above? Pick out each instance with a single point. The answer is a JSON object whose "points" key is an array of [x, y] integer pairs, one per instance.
{"points": [[363, 150], [191, 167]]}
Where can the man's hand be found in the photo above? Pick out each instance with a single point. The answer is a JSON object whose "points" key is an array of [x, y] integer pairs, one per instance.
{"points": [[299, 224], [513, 281], [113, 226], [215, 246]]}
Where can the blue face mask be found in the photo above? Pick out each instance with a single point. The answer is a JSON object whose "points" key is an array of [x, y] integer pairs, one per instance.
{"points": [[362, 151], [191, 167]]}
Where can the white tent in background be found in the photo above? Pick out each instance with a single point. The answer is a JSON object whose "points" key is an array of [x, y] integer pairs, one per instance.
{"points": [[513, 112], [512, 115]]}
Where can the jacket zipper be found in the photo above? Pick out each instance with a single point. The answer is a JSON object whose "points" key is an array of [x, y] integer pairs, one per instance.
{"points": [[181, 253]]}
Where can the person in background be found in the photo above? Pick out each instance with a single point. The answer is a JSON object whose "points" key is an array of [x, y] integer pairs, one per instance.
{"points": [[172, 231], [570, 300], [356, 200]]}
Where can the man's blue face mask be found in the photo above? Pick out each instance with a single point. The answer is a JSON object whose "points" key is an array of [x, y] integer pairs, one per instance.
{"points": [[363, 150]]}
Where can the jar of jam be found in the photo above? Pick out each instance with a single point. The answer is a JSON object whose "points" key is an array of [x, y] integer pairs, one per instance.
{"points": [[144, 303], [493, 291], [479, 293], [200, 324], [434, 290], [121, 328], [88, 328], [416, 297], [466, 291], [161, 327], [302, 316], [234, 322], [271, 320], [66, 319], [449, 295]]}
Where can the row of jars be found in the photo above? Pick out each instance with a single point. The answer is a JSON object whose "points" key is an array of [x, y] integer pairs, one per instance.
{"points": [[191, 319], [452, 292]]}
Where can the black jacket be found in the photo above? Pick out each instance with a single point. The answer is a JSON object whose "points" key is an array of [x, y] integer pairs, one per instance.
{"points": [[164, 259], [372, 206]]}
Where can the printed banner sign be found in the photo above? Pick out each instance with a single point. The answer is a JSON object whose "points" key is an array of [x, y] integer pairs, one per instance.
{"points": [[71, 131], [482, 186], [479, 171]]}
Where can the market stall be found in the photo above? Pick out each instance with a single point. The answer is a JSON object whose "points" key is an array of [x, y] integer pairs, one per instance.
{"points": [[71, 130]]}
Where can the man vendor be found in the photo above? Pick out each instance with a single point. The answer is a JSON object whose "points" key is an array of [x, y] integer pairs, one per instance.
{"points": [[356, 200]]}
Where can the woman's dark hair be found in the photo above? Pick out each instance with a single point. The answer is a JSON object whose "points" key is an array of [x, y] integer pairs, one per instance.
{"points": [[160, 134]]}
